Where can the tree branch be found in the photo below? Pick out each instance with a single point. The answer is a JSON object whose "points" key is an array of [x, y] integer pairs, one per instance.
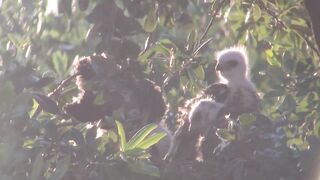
{"points": [[55, 92], [215, 13]]}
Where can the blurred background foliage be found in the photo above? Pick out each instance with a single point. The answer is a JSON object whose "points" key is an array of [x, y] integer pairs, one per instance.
{"points": [[172, 43]]}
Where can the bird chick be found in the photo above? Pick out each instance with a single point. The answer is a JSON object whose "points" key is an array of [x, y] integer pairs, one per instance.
{"points": [[119, 93], [94, 68], [189, 137], [232, 65], [204, 114], [232, 69]]}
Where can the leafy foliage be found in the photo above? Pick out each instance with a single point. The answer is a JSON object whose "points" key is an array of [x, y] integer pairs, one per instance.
{"points": [[173, 44]]}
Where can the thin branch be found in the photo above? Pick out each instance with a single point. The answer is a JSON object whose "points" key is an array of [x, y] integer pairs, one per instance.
{"points": [[309, 43], [201, 46], [271, 13], [282, 25], [61, 85], [55, 92], [215, 13]]}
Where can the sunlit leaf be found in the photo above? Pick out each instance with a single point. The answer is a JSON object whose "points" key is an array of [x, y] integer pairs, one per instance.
{"points": [[225, 134], [34, 108], [256, 12], [122, 135], [247, 119], [150, 22], [60, 62], [296, 142], [192, 37], [140, 136], [199, 71], [317, 129], [151, 140], [272, 59]]}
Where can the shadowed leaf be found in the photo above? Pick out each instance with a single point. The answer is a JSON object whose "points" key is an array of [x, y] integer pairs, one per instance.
{"points": [[46, 103]]}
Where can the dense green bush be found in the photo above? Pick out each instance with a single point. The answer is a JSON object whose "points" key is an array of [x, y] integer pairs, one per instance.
{"points": [[173, 44]]}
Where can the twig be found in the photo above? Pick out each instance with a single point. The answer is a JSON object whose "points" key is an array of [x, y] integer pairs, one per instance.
{"points": [[309, 43], [215, 13], [196, 50], [64, 124], [201, 46], [282, 25], [61, 85], [54, 93]]}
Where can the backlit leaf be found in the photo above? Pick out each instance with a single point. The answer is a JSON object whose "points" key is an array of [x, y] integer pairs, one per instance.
{"points": [[121, 134]]}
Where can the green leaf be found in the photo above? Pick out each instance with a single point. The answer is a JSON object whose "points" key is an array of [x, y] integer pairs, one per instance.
{"points": [[60, 62], [62, 167], [168, 44], [317, 129], [37, 167], [151, 140], [137, 153], [271, 58], [289, 104], [150, 22], [144, 168], [297, 142], [256, 12], [199, 71], [156, 49], [46, 103], [247, 119], [140, 136], [192, 37], [280, 3], [225, 134], [122, 135], [191, 75]]}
